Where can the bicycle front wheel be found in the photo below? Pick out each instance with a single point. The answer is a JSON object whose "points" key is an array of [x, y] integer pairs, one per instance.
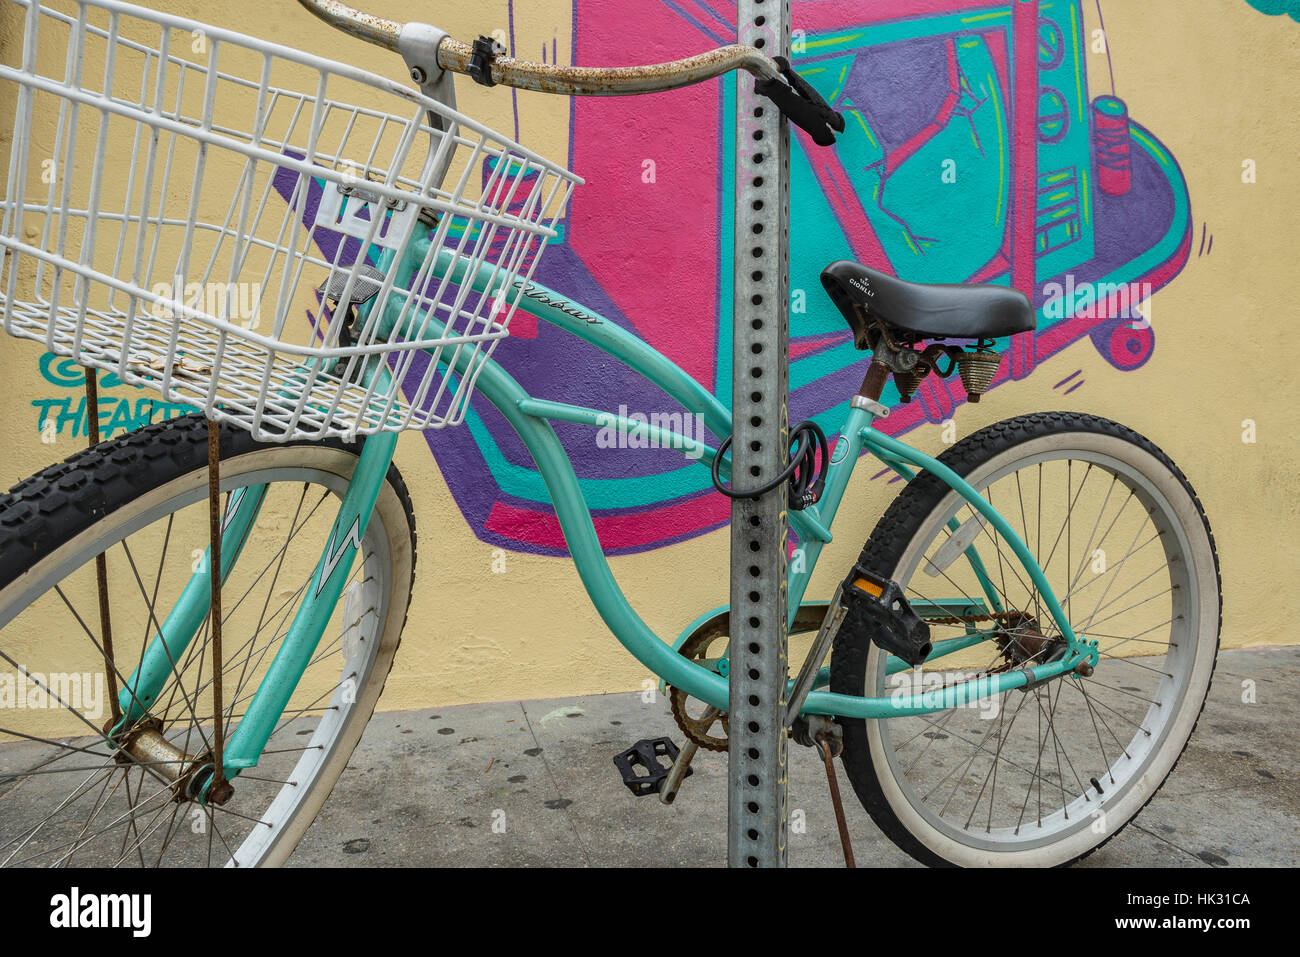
{"points": [[1044, 775], [69, 795]]}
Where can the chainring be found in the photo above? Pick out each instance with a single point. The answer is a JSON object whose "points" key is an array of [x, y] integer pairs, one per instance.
{"points": [[697, 646], [697, 729]]}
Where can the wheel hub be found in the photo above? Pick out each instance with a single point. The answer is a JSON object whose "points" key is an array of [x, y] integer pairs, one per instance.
{"points": [[144, 744], [1021, 640]]}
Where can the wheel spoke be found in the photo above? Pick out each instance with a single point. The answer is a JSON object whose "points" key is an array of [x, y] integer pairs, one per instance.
{"points": [[1025, 778], [125, 802]]}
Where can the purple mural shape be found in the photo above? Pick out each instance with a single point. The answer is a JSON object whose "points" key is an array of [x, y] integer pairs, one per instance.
{"points": [[1084, 210]]}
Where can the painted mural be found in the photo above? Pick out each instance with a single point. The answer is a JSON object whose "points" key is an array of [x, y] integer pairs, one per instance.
{"points": [[975, 152]]}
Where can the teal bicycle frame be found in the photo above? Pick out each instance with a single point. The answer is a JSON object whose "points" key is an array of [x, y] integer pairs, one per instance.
{"points": [[531, 418]]}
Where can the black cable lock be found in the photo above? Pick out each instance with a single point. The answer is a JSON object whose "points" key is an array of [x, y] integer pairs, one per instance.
{"points": [[806, 475]]}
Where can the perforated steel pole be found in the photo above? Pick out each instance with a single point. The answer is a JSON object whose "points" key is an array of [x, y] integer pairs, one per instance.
{"points": [[756, 805]]}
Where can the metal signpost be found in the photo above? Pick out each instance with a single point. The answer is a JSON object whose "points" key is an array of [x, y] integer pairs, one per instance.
{"points": [[756, 805]]}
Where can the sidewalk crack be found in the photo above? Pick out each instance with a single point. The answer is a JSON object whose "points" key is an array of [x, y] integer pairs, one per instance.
{"points": [[586, 860]]}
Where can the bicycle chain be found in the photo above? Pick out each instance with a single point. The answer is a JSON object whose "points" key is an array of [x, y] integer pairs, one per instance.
{"points": [[695, 646]]}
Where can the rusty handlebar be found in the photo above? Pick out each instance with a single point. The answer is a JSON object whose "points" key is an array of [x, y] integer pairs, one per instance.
{"points": [[774, 77]]}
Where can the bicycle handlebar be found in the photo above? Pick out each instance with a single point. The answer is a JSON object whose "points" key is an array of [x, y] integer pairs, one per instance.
{"points": [[350, 20], [457, 56], [774, 78]]}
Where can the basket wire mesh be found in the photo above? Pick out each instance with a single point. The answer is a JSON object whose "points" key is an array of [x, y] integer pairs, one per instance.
{"points": [[213, 217]]}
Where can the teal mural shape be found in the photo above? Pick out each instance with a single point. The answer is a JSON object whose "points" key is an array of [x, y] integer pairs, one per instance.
{"points": [[1277, 8]]}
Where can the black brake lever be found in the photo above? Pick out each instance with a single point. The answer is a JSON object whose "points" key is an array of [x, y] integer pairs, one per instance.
{"points": [[801, 104]]}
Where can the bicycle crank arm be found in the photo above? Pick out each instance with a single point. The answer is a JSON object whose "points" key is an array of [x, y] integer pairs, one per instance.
{"points": [[832, 621], [682, 765]]}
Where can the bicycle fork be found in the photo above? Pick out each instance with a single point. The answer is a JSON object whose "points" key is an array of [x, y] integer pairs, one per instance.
{"points": [[162, 657]]}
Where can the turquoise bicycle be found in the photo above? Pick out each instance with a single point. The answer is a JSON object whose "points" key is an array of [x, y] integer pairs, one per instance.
{"points": [[1016, 661]]}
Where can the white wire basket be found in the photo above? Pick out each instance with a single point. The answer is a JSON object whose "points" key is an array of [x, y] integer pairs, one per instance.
{"points": [[212, 217]]}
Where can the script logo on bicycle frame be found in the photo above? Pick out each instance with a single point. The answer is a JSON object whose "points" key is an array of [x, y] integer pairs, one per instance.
{"points": [[546, 299]]}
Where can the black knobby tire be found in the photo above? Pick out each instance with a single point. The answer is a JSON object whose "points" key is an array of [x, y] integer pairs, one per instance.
{"points": [[52, 523], [49, 508], [890, 540]]}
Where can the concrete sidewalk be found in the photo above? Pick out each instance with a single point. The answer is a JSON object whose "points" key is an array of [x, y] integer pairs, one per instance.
{"points": [[424, 788]]}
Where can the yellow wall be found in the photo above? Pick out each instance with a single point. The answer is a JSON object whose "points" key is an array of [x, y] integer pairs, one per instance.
{"points": [[1217, 80]]}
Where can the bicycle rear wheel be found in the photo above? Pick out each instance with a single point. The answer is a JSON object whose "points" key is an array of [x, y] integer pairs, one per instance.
{"points": [[1044, 775], [66, 795]]}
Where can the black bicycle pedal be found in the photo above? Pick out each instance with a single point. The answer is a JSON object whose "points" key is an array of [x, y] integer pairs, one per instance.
{"points": [[642, 766], [877, 606]]}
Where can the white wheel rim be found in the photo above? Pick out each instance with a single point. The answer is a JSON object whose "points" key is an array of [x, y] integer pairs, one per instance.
{"points": [[280, 823], [1148, 759]]}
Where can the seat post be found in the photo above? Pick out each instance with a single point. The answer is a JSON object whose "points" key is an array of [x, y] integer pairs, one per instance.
{"points": [[873, 383]]}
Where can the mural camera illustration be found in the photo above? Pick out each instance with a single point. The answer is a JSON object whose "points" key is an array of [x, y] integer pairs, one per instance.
{"points": [[975, 151]]}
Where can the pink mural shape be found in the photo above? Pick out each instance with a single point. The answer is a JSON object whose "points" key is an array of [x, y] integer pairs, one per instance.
{"points": [[1084, 196]]}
